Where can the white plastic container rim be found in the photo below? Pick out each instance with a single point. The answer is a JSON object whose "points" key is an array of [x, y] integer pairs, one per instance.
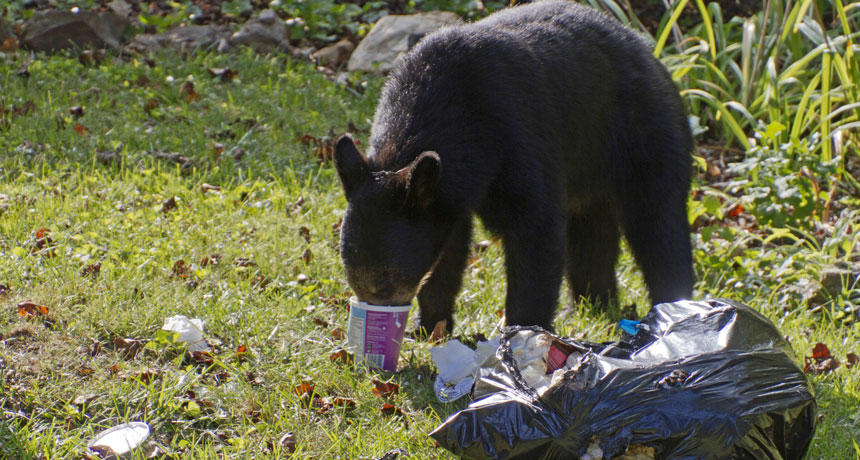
{"points": [[354, 302]]}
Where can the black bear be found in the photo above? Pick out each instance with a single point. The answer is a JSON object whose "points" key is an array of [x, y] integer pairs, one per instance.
{"points": [[557, 127]]}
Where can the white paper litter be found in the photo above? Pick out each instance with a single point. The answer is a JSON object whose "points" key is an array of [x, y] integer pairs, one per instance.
{"points": [[190, 331], [120, 440], [458, 365]]}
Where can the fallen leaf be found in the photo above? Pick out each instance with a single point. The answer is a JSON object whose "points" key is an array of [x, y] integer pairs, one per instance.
{"points": [[820, 367], [224, 73], [201, 356], [168, 205], [187, 93], [254, 379], [439, 331], [385, 389], [82, 400], [393, 454], [304, 390], [91, 57], [391, 409], [92, 270], [820, 352], [150, 105], [736, 211], [338, 333], [241, 352], [288, 442], [30, 309], [259, 281], [305, 233], [128, 347], [851, 360], [307, 255], [213, 259], [821, 361], [298, 204], [244, 262], [76, 111], [342, 356], [9, 45], [482, 246], [180, 269], [340, 401], [319, 322]]}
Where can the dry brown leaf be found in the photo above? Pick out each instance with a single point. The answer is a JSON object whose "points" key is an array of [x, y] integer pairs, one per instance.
{"points": [[391, 409], [439, 331], [168, 205], [30, 309], [385, 389], [288, 442], [342, 356]]}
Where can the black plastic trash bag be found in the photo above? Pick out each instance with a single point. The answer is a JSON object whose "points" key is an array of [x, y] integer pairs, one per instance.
{"points": [[699, 380]]}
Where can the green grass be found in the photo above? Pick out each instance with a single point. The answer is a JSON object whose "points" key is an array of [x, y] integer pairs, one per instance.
{"points": [[240, 406]]}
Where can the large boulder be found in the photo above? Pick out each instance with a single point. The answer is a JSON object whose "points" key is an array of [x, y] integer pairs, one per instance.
{"points": [[58, 29], [183, 39], [391, 38], [265, 33]]}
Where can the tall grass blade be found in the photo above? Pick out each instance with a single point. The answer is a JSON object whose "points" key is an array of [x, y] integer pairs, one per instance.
{"points": [[709, 28], [826, 67], [666, 29], [800, 114], [801, 12], [746, 59], [725, 113]]}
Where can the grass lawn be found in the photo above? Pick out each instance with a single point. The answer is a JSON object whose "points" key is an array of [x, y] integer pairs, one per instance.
{"points": [[104, 224]]}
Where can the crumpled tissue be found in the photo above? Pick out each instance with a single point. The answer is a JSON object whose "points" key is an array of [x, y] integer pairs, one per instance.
{"points": [[190, 331], [458, 365]]}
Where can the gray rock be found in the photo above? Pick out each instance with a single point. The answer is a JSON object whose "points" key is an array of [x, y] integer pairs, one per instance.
{"points": [[265, 33], [58, 30], [832, 281], [121, 8], [391, 38], [183, 39], [333, 55]]}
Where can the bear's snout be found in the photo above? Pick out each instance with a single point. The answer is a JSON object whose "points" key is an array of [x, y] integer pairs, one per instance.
{"points": [[380, 287]]}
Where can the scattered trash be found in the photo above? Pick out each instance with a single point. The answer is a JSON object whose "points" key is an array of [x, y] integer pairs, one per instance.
{"points": [[375, 332], [119, 441], [458, 365], [702, 380], [190, 331]]}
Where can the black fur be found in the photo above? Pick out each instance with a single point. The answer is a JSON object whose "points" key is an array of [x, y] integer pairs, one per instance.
{"points": [[556, 126]]}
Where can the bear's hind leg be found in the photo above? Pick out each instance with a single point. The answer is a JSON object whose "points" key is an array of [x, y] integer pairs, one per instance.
{"points": [[592, 251], [655, 224]]}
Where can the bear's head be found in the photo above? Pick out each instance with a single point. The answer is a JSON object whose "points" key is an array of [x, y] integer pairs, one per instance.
{"points": [[392, 234]]}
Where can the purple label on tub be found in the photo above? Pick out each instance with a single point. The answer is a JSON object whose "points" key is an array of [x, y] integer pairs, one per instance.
{"points": [[377, 336]]}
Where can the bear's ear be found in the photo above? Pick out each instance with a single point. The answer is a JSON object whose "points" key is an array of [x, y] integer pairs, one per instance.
{"points": [[424, 173], [350, 164]]}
